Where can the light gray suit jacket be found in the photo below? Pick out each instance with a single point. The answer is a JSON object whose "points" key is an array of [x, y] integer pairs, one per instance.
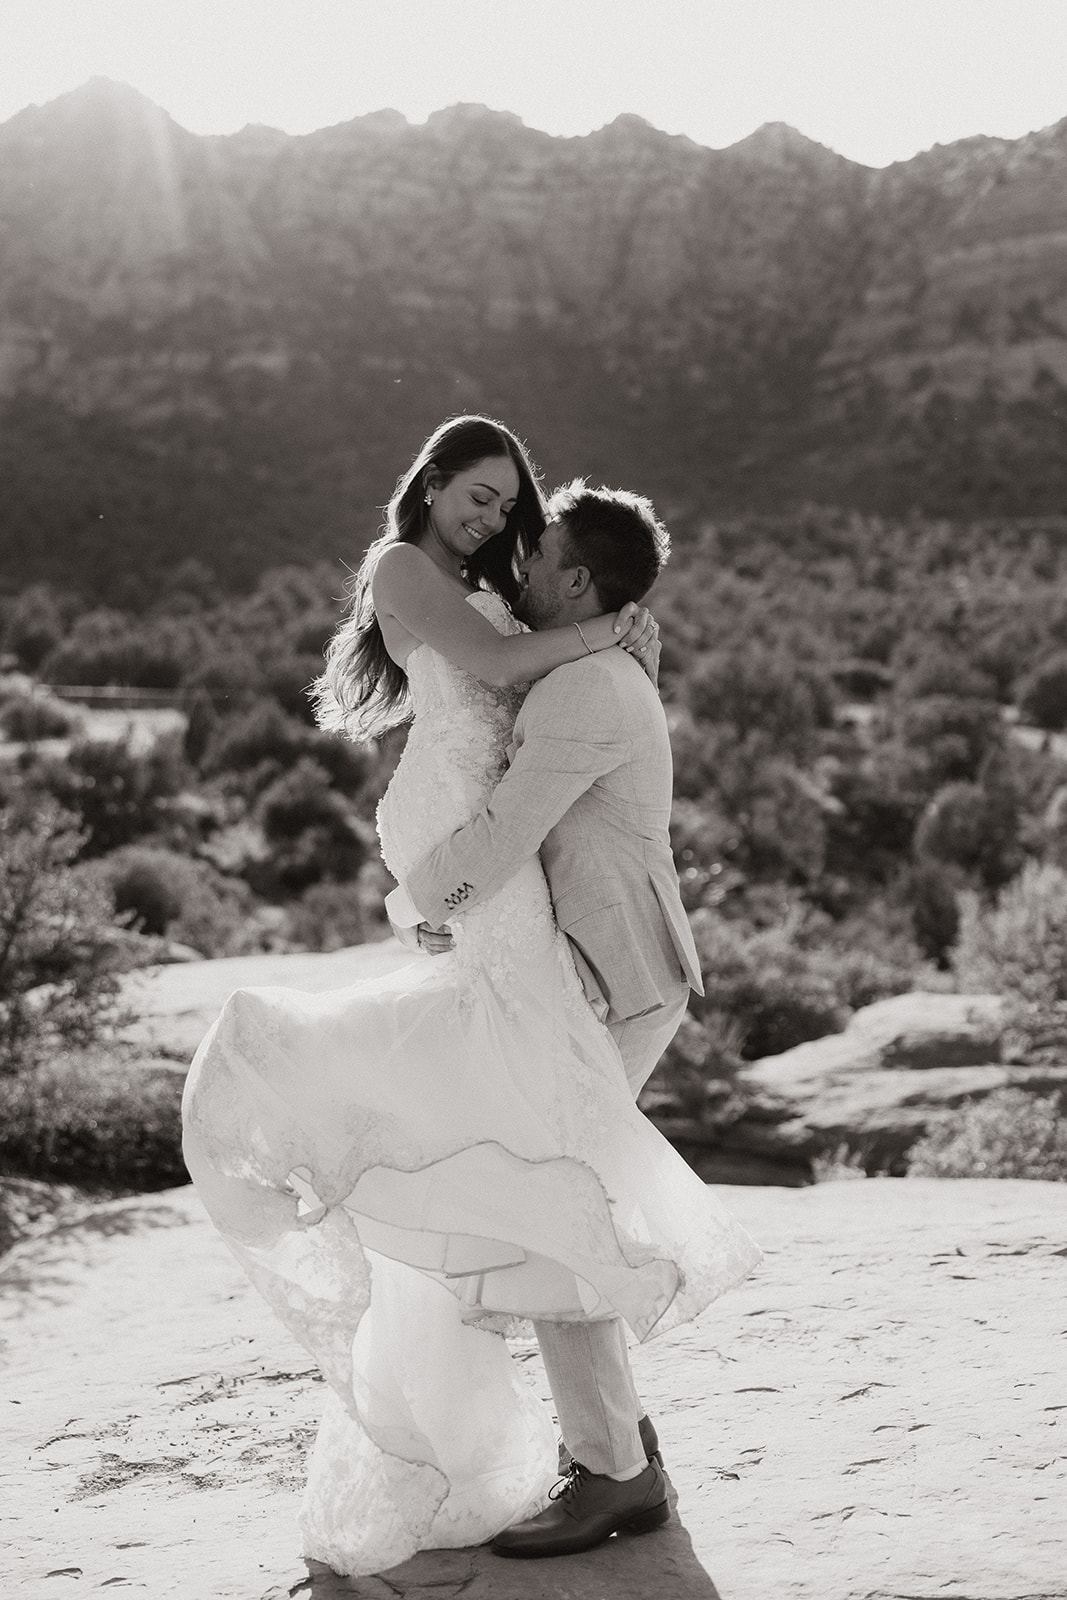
{"points": [[590, 786]]}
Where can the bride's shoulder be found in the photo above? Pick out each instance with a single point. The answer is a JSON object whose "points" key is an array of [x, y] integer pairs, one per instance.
{"points": [[402, 564]]}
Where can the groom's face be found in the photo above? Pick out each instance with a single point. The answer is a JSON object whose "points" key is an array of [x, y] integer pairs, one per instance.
{"points": [[545, 601]]}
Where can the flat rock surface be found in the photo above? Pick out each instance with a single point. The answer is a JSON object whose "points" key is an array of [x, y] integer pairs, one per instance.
{"points": [[175, 1005], [880, 1412]]}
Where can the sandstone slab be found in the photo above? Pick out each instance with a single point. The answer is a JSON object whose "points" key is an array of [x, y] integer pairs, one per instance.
{"points": [[879, 1412], [174, 1005], [900, 1067]]}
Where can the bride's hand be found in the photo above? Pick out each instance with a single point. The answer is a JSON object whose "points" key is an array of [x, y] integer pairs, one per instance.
{"points": [[648, 656], [641, 639], [634, 628]]}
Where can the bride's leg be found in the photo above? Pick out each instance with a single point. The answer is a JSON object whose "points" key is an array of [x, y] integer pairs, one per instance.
{"points": [[589, 1374]]}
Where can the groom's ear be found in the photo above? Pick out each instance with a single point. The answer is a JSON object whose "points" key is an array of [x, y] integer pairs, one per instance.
{"points": [[579, 582]]}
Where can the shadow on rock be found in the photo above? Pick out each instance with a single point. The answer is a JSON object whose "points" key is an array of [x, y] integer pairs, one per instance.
{"points": [[43, 1266], [663, 1564]]}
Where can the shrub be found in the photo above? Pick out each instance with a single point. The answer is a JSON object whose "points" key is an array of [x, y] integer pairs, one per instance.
{"points": [[28, 717], [1043, 695], [753, 687], [1019, 945], [117, 794], [59, 955], [1009, 1134], [264, 740], [697, 1076], [954, 735], [80, 1119], [107, 646], [328, 916], [163, 892], [767, 984], [1018, 948], [311, 831], [974, 828], [33, 626], [930, 889]]}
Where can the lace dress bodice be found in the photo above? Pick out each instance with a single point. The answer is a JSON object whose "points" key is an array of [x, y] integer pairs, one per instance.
{"points": [[456, 750], [455, 755]]}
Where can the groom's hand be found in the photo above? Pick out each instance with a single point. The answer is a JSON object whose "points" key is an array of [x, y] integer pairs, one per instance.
{"points": [[434, 941], [431, 941]]}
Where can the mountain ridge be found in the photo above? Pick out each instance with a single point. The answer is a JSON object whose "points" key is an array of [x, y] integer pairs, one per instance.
{"points": [[202, 335]]}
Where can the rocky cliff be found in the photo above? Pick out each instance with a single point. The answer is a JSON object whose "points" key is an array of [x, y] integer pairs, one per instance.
{"points": [[229, 346]]}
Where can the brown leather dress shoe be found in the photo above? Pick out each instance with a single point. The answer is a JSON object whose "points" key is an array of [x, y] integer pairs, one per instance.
{"points": [[649, 1443], [586, 1510]]}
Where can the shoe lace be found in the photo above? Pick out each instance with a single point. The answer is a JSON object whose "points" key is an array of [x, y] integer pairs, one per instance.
{"points": [[569, 1484]]}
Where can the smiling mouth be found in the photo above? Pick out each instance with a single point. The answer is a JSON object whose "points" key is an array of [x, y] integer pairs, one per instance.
{"points": [[474, 532]]}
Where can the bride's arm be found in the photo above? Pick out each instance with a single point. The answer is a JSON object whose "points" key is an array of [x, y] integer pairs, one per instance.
{"points": [[408, 586]]}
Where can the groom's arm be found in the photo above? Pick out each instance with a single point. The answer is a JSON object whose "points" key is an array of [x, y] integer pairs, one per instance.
{"points": [[572, 733]]}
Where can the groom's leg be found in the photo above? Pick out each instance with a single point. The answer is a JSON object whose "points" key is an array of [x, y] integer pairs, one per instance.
{"points": [[589, 1374], [587, 1363], [642, 1040]]}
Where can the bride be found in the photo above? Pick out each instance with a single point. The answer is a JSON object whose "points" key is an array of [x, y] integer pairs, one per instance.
{"points": [[407, 1166]]}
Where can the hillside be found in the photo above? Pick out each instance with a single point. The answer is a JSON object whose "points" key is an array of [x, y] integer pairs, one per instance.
{"points": [[228, 347]]}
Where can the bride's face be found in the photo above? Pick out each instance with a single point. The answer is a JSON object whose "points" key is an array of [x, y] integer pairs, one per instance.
{"points": [[472, 507]]}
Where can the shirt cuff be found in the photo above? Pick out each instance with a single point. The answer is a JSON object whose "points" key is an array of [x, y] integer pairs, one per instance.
{"points": [[401, 909]]}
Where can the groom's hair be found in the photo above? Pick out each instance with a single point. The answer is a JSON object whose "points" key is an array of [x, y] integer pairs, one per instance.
{"points": [[614, 533]]}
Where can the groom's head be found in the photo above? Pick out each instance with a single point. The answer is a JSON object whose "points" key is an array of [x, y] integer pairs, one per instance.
{"points": [[601, 547]]}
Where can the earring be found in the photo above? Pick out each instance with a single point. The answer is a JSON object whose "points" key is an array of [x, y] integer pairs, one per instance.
{"points": [[428, 497]]}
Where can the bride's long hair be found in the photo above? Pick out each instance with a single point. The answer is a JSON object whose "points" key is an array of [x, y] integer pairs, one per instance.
{"points": [[362, 692]]}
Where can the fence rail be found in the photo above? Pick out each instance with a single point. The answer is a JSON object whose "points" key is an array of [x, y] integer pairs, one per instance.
{"points": [[114, 697]]}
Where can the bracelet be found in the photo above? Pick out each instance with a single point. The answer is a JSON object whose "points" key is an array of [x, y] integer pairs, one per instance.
{"points": [[584, 640]]}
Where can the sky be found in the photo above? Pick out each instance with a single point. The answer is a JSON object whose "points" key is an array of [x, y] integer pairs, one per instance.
{"points": [[876, 80]]}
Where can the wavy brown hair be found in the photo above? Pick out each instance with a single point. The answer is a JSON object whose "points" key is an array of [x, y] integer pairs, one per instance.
{"points": [[362, 692]]}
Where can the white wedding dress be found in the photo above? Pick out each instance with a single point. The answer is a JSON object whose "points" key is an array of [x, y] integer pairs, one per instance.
{"points": [[406, 1166]]}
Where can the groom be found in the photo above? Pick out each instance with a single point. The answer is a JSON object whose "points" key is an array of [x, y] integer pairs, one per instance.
{"points": [[589, 785]]}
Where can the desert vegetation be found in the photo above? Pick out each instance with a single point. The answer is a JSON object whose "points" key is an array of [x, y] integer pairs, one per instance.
{"points": [[871, 796]]}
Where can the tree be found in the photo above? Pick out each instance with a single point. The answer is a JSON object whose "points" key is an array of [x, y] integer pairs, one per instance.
{"points": [[59, 954]]}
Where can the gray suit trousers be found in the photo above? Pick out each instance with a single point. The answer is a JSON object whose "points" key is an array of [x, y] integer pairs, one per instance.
{"points": [[587, 1363]]}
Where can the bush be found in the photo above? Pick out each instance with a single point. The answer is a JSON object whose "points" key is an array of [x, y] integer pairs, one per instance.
{"points": [[1043, 695], [753, 687], [1009, 1134], [59, 954], [107, 646], [162, 892], [117, 794], [328, 916], [930, 889], [311, 830], [1019, 945], [953, 735], [83, 1120], [974, 828], [33, 626], [1018, 948], [28, 717], [698, 1073], [772, 989], [265, 742]]}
